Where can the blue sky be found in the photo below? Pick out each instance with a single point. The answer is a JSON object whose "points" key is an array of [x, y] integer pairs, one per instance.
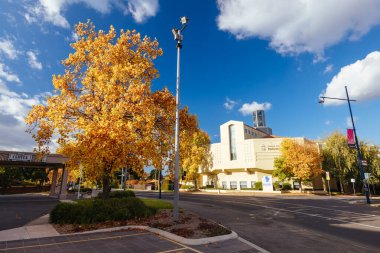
{"points": [[237, 56]]}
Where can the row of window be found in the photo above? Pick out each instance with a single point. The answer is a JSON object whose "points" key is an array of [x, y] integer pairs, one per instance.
{"points": [[247, 131], [233, 185]]}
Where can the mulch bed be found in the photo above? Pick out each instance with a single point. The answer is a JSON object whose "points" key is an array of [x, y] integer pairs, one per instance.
{"points": [[190, 225]]}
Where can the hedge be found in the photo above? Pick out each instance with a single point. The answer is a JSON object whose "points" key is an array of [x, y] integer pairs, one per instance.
{"points": [[99, 210]]}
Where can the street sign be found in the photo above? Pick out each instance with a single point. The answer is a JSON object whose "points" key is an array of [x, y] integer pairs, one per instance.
{"points": [[352, 180], [327, 175], [366, 176], [364, 162]]}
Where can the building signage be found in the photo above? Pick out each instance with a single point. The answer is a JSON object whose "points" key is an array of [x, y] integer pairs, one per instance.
{"points": [[270, 147], [20, 157], [267, 183], [351, 138]]}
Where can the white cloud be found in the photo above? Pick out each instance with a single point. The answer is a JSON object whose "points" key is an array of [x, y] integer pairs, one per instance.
{"points": [[7, 48], [142, 9], [229, 104], [13, 109], [328, 122], [248, 109], [361, 78], [349, 121], [33, 61], [5, 74], [53, 11], [328, 68], [298, 26]]}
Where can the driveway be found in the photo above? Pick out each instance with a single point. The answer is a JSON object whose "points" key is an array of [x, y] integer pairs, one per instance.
{"points": [[18, 210]]}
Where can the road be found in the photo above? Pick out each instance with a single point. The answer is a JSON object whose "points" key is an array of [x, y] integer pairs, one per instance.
{"points": [[291, 224], [18, 210]]}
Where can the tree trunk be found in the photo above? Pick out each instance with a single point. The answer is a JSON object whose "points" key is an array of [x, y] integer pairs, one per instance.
{"points": [[324, 184], [341, 185], [106, 186]]}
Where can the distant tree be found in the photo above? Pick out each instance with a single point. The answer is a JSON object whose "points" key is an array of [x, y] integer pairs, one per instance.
{"points": [[339, 159], [8, 176], [299, 160], [280, 171]]}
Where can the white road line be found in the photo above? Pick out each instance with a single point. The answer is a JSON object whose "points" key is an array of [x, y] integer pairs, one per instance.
{"points": [[279, 202], [253, 245], [307, 214]]}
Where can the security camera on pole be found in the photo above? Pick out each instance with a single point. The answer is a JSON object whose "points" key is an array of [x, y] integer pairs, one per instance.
{"points": [[178, 37]]}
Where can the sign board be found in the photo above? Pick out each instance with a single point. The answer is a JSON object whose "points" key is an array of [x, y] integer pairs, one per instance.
{"points": [[364, 162], [327, 175], [19, 157], [351, 138], [267, 183], [366, 176], [352, 180]]}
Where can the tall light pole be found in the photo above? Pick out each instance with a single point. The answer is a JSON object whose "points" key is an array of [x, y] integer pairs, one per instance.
{"points": [[178, 37], [321, 101]]}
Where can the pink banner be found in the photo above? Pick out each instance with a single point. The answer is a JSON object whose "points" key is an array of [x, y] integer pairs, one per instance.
{"points": [[350, 137]]}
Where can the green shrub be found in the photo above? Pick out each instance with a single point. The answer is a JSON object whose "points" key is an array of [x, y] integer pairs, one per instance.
{"points": [[119, 194], [100, 210], [258, 186], [286, 187], [202, 187], [210, 186], [277, 185]]}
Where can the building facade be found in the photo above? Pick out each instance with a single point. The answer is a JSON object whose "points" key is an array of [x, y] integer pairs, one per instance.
{"points": [[243, 156]]}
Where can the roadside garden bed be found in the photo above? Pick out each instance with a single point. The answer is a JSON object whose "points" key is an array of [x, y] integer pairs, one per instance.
{"points": [[93, 214]]}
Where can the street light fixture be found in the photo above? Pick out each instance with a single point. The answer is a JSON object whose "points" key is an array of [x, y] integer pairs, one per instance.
{"points": [[321, 101], [178, 37]]}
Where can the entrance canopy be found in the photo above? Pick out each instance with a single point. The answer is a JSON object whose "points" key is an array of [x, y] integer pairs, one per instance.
{"points": [[11, 159], [30, 160]]}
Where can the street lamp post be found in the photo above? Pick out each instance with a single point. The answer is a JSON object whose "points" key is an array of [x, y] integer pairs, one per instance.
{"points": [[178, 37], [322, 100]]}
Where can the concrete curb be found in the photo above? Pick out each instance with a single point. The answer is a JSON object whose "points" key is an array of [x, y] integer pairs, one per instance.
{"points": [[167, 235]]}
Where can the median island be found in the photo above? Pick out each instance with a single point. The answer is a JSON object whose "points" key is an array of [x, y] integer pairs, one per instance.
{"points": [[124, 209]]}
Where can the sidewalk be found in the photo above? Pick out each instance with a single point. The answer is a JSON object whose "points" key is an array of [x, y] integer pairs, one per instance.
{"points": [[36, 229]]}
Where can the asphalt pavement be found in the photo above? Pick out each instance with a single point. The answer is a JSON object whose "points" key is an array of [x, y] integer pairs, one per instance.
{"points": [[279, 223], [18, 210]]}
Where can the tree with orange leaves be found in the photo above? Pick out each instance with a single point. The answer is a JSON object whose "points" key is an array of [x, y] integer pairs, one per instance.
{"points": [[300, 160], [103, 110]]}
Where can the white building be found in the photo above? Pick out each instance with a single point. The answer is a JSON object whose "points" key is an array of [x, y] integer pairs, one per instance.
{"points": [[244, 155]]}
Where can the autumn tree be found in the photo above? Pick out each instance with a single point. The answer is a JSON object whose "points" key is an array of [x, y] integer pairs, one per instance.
{"points": [[102, 111], [300, 160], [343, 163], [339, 159]]}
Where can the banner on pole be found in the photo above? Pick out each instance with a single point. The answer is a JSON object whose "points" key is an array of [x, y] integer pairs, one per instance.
{"points": [[351, 138]]}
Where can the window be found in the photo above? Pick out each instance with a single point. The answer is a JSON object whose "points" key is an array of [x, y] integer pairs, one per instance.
{"points": [[232, 142], [233, 185], [245, 130], [243, 184], [252, 184], [224, 185]]}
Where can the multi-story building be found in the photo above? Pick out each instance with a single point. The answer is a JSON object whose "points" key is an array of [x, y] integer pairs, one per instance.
{"points": [[243, 156]]}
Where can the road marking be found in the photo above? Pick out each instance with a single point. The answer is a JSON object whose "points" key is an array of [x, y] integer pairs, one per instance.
{"points": [[273, 201], [172, 250], [292, 211], [180, 244], [308, 214], [253, 245], [78, 241]]}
